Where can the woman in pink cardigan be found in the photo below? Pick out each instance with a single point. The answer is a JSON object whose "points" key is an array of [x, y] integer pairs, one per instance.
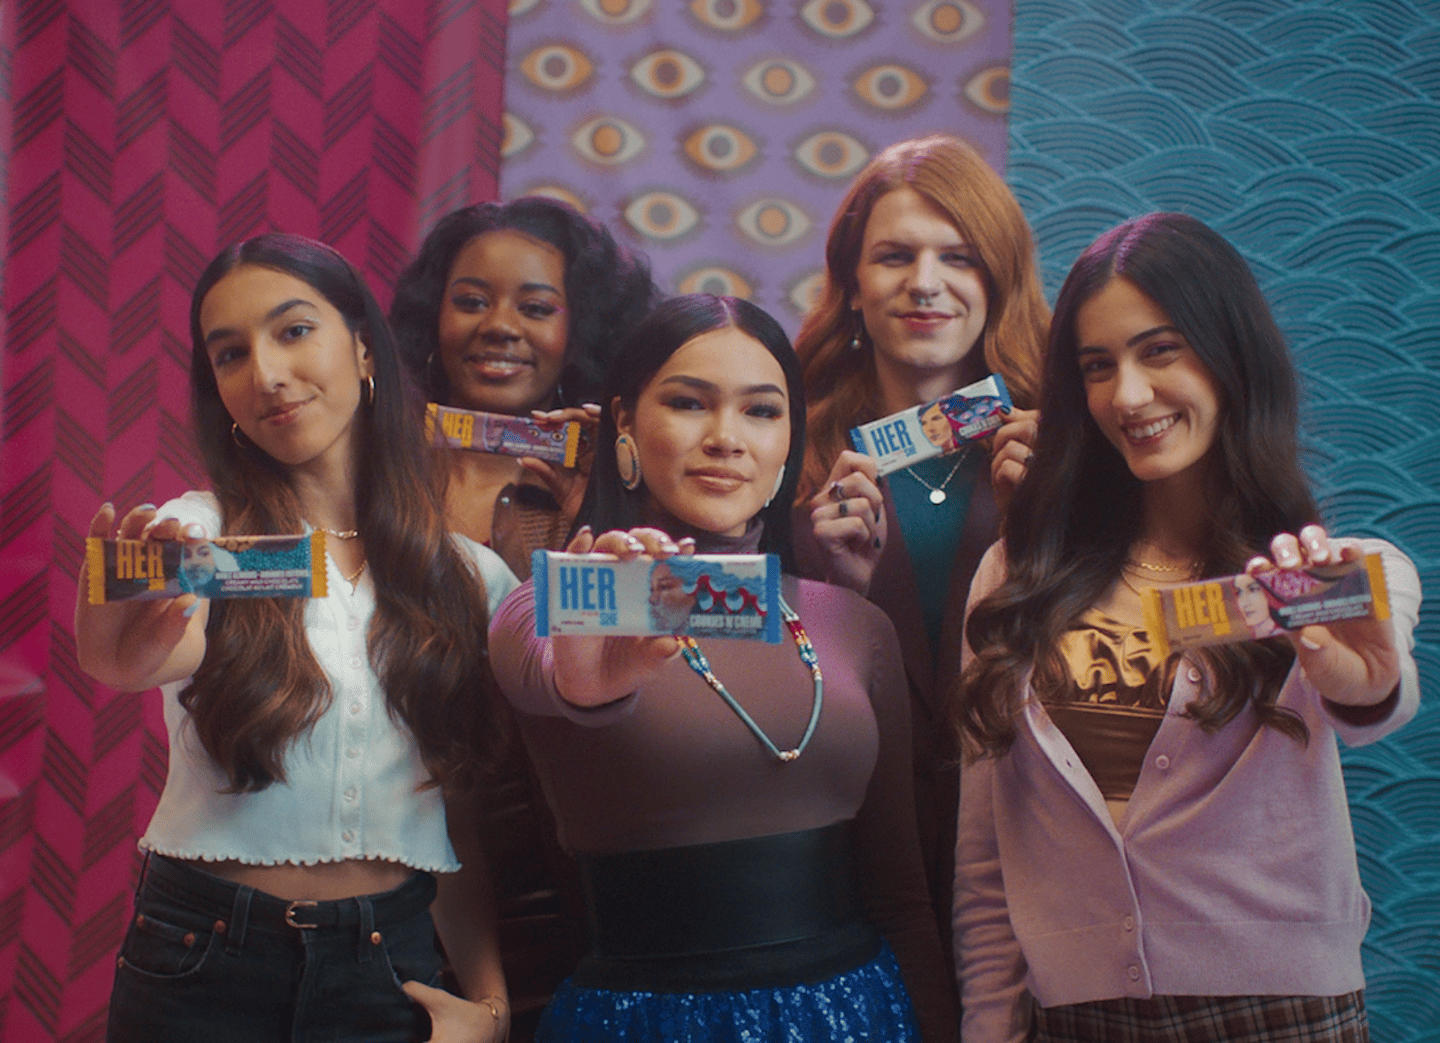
{"points": [[1160, 848]]}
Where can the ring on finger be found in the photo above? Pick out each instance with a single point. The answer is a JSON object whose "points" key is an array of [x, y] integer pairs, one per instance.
{"points": [[844, 508], [836, 493]]}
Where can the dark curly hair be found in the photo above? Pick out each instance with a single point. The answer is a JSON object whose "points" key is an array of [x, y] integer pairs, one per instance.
{"points": [[607, 289]]}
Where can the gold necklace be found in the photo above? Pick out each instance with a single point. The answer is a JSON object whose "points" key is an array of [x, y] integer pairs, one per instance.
{"points": [[350, 579], [1189, 568], [348, 534]]}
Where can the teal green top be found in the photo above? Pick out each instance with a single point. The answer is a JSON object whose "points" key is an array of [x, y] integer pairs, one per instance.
{"points": [[932, 531]]}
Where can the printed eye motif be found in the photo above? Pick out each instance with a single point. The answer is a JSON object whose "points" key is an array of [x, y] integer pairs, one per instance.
{"points": [[805, 292], [720, 148], [779, 81], [608, 140], [716, 279], [890, 87], [667, 74], [557, 67], [616, 12], [831, 153], [948, 21], [661, 216], [989, 89], [729, 15], [518, 136], [773, 222], [837, 19]]}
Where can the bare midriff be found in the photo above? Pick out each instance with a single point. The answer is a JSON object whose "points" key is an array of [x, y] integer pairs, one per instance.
{"points": [[323, 882]]}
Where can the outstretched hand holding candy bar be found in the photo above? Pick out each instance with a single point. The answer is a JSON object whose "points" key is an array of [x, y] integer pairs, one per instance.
{"points": [[137, 644], [593, 671], [1351, 662]]}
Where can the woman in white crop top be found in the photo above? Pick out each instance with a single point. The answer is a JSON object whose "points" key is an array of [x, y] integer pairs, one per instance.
{"points": [[316, 743]]}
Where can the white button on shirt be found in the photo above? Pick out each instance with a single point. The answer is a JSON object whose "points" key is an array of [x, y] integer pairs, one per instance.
{"points": [[364, 804]]}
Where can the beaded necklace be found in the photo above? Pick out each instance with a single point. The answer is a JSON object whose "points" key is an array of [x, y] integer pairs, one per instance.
{"points": [[696, 658]]}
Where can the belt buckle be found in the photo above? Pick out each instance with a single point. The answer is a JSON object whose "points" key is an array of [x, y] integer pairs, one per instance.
{"points": [[290, 915]]}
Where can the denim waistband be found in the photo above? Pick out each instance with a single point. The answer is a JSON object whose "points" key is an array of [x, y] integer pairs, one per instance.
{"points": [[246, 908]]}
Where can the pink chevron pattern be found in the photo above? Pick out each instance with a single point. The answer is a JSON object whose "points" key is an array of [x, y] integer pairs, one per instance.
{"points": [[136, 138]]}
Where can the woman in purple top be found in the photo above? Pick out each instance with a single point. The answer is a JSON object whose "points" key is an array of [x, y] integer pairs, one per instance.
{"points": [[1159, 848], [742, 812]]}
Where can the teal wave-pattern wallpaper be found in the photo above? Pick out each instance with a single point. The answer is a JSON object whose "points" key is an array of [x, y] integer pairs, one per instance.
{"points": [[1308, 133]]}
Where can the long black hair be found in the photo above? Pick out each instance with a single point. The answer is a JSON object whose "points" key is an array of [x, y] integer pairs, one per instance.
{"points": [[1070, 526], [607, 289], [260, 685], [674, 323]]}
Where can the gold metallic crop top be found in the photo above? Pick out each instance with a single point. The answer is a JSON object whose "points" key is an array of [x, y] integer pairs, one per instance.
{"points": [[1112, 699]]}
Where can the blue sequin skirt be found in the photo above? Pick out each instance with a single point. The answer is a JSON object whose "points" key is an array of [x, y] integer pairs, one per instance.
{"points": [[868, 1002]]}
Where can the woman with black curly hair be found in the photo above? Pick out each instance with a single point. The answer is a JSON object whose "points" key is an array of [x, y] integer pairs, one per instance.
{"points": [[514, 308]]}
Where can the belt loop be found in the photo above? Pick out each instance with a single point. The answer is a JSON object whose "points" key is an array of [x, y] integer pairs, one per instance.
{"points": [[144, 871], [366, 942], [239, 920]]}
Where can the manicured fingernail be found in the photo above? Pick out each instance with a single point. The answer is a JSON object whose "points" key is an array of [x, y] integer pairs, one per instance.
{"points": [[145, 507], [633, 543], [194, 531], [1310, 644], [844, 508], [584, 530], [190, 611]]}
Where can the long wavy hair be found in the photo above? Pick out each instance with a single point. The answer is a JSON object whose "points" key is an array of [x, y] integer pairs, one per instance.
{"points": [[840, 382], [260, 686], [674, 323], [607, 290], [1070, 527]]}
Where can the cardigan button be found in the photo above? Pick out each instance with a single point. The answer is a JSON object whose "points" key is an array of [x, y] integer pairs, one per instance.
{"points": [[1129, 922], [1134, 973], [1162, 762], [1194, 674]]}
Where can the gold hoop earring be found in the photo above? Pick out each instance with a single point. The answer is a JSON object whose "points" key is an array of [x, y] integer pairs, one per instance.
{"points": [[779, 481], [627, 462], [369, 391]]}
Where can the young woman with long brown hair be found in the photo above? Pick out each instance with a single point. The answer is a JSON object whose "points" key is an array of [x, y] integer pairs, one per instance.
{"points": [[313, 742], [930, 285], [1160, 848]]}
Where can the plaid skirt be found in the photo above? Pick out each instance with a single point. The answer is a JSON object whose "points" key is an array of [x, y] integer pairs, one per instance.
{"points": [[1206, 1019]]}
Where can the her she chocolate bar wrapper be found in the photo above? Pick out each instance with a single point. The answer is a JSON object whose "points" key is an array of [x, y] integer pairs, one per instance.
{"points": [[225, 567], [502, 434], [702, 595], [1248, 606], [900, 439]]}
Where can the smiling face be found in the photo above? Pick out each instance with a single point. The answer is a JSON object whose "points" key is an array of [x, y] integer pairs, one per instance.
{"points": [[921, 290], [504, 324], [287, 367], [197, 564], [713, 430], [670, 606], [1150, 394]]}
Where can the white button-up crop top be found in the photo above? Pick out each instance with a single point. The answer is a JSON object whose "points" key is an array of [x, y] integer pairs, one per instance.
{"points": [[351, 780]]}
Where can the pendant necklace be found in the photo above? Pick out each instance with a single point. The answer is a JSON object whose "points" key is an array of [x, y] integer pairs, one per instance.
{"points": [[690, 649], [937, 492]]}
